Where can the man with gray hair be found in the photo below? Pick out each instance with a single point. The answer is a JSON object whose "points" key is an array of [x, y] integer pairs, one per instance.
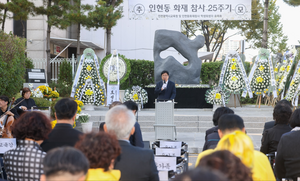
{"points": [[135, 163]]}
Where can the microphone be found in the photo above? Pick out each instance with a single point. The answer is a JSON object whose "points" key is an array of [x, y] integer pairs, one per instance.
{"points": [[164, 81]]}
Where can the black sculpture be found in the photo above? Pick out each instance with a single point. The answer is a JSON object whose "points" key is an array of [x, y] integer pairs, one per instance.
{"points": [[179, 74]]}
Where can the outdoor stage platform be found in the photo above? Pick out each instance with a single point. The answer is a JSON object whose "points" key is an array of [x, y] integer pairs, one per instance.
{"points": [[191, 124]]}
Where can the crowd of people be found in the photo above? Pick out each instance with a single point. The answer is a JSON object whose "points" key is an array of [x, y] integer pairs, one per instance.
{"points": [[117, 151]]}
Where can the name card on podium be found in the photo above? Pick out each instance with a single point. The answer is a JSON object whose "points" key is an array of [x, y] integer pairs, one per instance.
{"points": [[165, 163], [7, 144], [168, 151], [170, 144]]}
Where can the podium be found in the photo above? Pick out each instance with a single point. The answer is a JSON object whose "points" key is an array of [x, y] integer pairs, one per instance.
{"points": [[164, 126]]}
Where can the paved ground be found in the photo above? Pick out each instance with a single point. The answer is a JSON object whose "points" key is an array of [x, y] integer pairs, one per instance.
{"points": [[195, 140]]}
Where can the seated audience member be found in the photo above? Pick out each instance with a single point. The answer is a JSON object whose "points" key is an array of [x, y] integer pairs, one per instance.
{"points": [[271, 137], [201, 174], [115, 103], [65, 163], [230, 165], [211, 135], [63, 133], [287, 160], [136, 139], [25, 102], [101, 149], [26, 161], [270, 124], [233, 138], [135, 163]]}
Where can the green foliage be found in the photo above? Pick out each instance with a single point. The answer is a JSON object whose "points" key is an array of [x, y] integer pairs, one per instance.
{"points": [[41, 102], [21, 10], [142, 74], [210, 73], [292, 2], [248, 100], [125, 76], [65, 81], [28, 63], [12, 63]]}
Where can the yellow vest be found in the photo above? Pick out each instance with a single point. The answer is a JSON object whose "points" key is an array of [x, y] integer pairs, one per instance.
{"points": [[98, 174]]}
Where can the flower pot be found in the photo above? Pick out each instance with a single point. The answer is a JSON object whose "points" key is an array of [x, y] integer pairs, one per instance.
{"points": [[89, 107], [87, 127]]}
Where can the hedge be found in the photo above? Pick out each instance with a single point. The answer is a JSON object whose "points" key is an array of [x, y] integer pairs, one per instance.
{"points": [[12, 63]]}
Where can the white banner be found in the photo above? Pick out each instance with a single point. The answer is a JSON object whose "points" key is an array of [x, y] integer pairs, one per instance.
{"points": [[112, 94], [189, 10]]}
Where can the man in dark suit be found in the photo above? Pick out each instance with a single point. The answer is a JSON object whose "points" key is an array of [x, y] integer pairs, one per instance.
{"points": [[63, 133], [135, 163], [165, 89]]}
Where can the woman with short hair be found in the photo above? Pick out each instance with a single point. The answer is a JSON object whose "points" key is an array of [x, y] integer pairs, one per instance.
{"points": [[25, 162], [101, 149], [25, 102]]}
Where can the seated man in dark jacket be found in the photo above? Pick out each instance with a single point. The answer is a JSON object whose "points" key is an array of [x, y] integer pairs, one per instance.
{"points": [[211, 136], [63, 133], [271, 137]]}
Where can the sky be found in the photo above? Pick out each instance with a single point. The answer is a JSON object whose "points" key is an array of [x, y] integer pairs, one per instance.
{"points": [[290, 20]]}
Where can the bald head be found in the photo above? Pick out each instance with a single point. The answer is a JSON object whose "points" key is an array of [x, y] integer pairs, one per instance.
{"points": [[120, 121]]}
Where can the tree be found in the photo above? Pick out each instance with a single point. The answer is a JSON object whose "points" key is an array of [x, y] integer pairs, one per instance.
{"points": [[105, 15], [253, 29], [21, 9], [4, 7], [292, 2], [77, 15], [54, 10]]}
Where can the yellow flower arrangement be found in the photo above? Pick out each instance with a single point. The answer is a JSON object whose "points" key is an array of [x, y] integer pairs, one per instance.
{"points": [[282, 69], [79, 103], [89, 92], [78, 110], [292, 83], [88, 68], [135, 97], [88, 77], [234, 78], [44, 89], [298, 71], [261, 68], [233, 59], [233, 67], [54, 94], [288, 68], [259, 79], [276, 69], [218, 96]]}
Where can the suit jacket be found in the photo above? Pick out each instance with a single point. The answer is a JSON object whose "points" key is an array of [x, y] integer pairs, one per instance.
{"points": [[62, 135], [136, 139], [269, 125], [288, 156], [212, 138], [169, 93], [136, 164], [271, 138]]}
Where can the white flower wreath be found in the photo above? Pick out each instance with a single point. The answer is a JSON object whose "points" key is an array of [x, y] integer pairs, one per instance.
{"points": [[136, 94]]}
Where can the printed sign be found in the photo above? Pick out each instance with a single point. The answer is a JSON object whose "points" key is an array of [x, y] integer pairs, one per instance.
{"points": [[112, 94], [165, 163], [189, 10], [168, 151], [7, 144], [170, 144]]}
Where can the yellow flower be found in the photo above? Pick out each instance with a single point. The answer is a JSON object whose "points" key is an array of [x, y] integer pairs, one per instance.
{"points": [[234, 78], [282, 68], [218, 96], [79, 86], [88, 77], [233, 67], [101, 90], [88, 68], [276, 69], [259, 79], [89, 92], [288, 68], [233, 59], [293, 82], [135, 97], [279, 89], [261, 68], [267, 89], [53, 123], [78, 110], [298, 71], [79, 103], [102, 99]]}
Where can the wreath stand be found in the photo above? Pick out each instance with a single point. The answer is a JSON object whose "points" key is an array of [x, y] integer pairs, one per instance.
{"points": [[258, 101], [236, 95]]}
